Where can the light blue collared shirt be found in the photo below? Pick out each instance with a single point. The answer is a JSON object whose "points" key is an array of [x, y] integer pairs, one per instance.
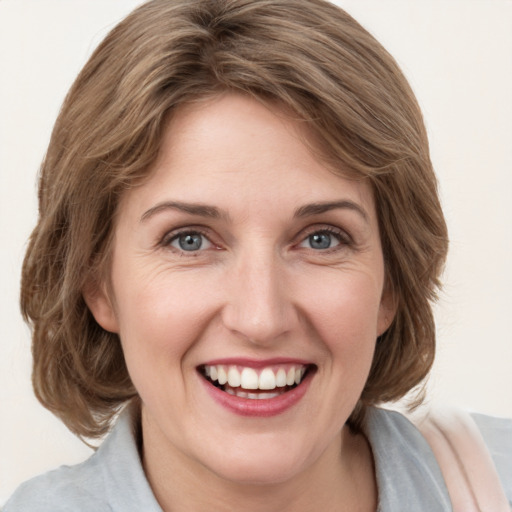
{"points": [[408, 476]]}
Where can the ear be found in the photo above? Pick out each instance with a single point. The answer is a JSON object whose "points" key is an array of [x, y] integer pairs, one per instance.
{"points": [[387, 309], [99, 303]]}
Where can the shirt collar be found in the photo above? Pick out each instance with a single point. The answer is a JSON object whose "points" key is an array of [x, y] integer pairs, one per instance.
{"points": [[407, 472]]}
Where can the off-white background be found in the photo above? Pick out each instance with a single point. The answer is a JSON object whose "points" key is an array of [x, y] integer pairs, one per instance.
{"points": [[457, 55]]}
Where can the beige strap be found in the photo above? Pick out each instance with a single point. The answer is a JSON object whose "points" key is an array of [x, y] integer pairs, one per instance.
{"points": [[465, 462]]}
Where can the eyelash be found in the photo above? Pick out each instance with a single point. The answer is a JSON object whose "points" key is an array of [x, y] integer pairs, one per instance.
{"points": [[174, 235], [342, 237]]}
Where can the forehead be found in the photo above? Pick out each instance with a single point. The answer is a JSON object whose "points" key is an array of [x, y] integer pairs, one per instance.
{"points": [[235, 149]]}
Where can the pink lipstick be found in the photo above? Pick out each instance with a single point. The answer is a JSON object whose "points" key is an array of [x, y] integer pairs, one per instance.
{"points": [[257, 388]]}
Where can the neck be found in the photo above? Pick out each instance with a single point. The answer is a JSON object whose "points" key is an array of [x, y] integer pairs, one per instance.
{"points": [[341, 479]]}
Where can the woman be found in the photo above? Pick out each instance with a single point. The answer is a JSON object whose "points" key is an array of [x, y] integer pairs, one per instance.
{"points": [[239, 242]]}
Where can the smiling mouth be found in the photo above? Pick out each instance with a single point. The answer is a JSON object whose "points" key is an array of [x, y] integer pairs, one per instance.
{"points": [[255, 384]]}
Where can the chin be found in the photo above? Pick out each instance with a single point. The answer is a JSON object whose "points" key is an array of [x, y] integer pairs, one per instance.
{"points": [[258, 472], [264, 462]]}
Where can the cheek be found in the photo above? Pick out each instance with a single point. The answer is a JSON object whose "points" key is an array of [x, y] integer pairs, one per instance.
{"points": [[158, 321], [348, 326], [344, 313], [345, 309]]}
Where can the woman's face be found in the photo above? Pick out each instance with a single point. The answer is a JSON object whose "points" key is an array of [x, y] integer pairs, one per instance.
{"points": [[244, 258]]}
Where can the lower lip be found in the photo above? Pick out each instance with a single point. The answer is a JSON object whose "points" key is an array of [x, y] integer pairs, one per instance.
{"points": [[259, 407]]}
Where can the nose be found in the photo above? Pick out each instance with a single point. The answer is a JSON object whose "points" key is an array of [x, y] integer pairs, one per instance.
{"points": [[258, 307]]}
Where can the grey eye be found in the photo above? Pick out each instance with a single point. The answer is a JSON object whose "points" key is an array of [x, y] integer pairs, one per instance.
{"points": [[190, 242], [320, 240]]}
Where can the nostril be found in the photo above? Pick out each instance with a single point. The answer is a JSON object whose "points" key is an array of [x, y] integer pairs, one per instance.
{"points": [[259, 310]]}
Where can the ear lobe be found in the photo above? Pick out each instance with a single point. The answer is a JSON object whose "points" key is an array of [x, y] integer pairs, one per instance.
{"points": [[100, 305], [387, 311]]}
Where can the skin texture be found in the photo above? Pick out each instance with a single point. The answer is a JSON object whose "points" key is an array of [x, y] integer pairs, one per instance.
{"points": [[257, 288]]}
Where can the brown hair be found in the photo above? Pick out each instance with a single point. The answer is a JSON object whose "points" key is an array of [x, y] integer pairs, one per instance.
{"points": [[312, 58]]}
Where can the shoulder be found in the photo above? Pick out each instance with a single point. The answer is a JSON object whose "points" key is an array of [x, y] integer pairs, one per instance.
{"points": [[67, 488], [112, 479], [404, 455], [407, 472], [474, 454], [497, 435]]}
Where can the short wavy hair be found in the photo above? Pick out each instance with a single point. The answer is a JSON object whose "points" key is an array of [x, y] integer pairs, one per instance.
{"points": [[313, 59]]}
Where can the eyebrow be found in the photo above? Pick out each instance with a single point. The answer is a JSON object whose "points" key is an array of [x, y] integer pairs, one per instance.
{"points": [[319, 208], [199, 209], [203, 210]]}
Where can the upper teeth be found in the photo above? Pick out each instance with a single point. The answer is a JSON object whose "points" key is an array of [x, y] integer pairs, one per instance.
{"points": [[249, 378]]}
